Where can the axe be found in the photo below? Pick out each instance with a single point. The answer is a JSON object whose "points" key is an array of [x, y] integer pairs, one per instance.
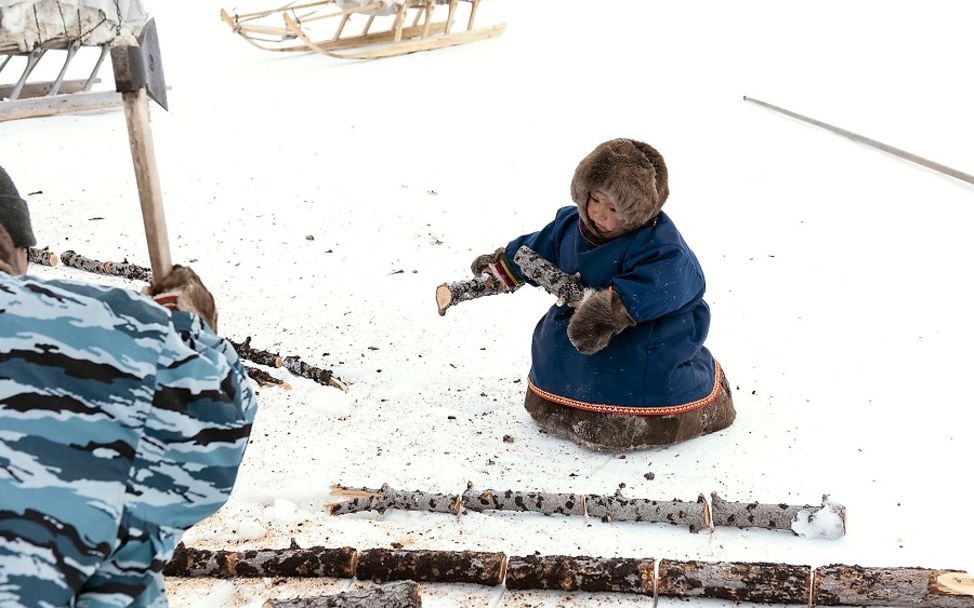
{"points": [[138, 75]]}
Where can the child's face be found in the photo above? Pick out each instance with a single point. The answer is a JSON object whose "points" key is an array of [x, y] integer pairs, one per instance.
{"points": [[602, 212]]}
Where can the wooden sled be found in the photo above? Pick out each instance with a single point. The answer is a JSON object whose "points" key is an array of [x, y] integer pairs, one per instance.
{"points": [[25, 99], [384, 32]]}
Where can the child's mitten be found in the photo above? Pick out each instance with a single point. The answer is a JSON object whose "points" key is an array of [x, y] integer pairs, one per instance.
{"points": [[183, 290], [598, 316], [496, 265]]}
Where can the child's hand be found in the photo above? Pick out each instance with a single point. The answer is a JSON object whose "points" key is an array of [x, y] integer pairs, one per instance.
{"points": [[482, 262], [598, 316]]}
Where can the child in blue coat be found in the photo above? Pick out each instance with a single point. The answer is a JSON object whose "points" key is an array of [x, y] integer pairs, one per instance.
{"points": [[625, 367]]}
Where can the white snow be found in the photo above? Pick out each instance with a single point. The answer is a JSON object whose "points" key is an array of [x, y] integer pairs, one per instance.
{"points": [[824, 522], [837, 275]]}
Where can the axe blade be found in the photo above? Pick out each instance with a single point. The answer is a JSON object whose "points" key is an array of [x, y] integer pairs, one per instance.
{"points": [[155, 78]]}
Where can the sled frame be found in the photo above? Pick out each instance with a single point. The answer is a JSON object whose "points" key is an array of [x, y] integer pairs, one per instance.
{"points": [[25, 99], [288, 28]]}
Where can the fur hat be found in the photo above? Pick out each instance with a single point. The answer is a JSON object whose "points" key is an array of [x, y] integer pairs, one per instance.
{"points": [[14, 215], [631, 173]]}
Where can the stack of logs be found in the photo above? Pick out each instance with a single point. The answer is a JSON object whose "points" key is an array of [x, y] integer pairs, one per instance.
{"points": [[697, 515], [832, 585], [124, 269]]}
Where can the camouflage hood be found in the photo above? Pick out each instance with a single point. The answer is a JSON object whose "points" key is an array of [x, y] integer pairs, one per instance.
{"points": [[629, 172]]}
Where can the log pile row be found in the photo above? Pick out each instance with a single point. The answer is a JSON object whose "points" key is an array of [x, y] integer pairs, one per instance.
{"points": [[834, 585], [697, 515]]}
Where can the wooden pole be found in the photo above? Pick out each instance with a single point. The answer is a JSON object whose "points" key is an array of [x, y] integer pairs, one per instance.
{"points": [[913, 158]]}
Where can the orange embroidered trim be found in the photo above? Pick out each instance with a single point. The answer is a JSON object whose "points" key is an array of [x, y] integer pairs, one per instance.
{"points": [[635, 411]]}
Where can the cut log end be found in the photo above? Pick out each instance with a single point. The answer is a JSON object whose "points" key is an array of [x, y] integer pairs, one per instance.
{"points": [[444, 297], [43, 257], [954, 583]]}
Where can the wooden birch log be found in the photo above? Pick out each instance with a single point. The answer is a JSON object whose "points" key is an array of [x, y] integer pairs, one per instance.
{"points": [[547, 503], [381, 565], [554, 280], [263, 378], [310, 562], [366, 499], [839, 585], [737, 581], [801, 520], [401, 594], [262, 357], [127, 270], [122, 269], [42, 257], [451, 294], [73, 259], [581, 573], [695, 515], [296, 366]]}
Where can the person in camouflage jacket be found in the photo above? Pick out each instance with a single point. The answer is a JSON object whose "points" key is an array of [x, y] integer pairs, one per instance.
{"points": [[122, 423]]}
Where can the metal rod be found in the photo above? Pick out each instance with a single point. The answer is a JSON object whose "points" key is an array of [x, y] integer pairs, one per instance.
{"points": [[964, 177]]}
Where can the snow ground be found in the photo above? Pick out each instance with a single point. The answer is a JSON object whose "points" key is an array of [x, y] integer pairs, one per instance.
{"points": [[835, 271]]}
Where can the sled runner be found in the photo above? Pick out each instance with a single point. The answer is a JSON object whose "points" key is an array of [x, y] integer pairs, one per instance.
{"points": [[31, 30], [386, 28]]}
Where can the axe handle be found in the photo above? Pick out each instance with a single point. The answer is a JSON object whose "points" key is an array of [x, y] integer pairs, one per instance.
{"points": [[136, 106]]}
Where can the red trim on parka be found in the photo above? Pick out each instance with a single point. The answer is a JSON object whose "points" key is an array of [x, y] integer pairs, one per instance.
{"points": [[635, 411]]}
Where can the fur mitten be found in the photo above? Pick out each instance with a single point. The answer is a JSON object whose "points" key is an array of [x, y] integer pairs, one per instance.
{"points": [[599, 316], [183, 290], [496, 265]]}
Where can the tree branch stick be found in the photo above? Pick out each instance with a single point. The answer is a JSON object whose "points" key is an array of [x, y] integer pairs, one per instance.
{"points": [[262, 357], [380, 565], [311, 562], [758, 515], [296, 366], [451, 294], [581, 573], [42, 257], [736, 581], [838, 585], [402, 594], [263, 378], [365, 499], [695, 515]]}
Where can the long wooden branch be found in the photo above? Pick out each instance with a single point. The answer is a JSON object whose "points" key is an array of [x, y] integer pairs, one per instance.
{"points": [[781, 516], [296, 562], [737, 581], [262, 357], [608, 508], [694, 515], [380, 565], [325, 377], [43, 257], [123, 269], [365, 499], [547, 503], [760, 582], [401, 594], [838, 585], [263, 378], [570, 573]]}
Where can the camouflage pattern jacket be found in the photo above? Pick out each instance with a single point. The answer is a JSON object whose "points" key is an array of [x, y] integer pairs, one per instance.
{"points": [[121, 425]]}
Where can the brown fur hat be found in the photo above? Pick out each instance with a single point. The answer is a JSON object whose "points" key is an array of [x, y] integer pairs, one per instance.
{"points": [[629, 172]]}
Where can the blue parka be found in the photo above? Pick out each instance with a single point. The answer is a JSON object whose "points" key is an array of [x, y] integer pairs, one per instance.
{"points": [[658, 366]]}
